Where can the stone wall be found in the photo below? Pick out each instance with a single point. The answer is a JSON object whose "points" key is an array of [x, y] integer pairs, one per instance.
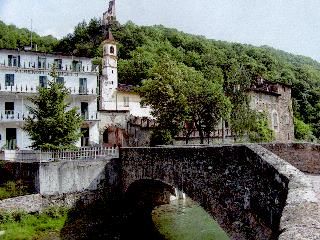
{"points": [[244, 187], [72, 176], [37, 202], [304, 156]]}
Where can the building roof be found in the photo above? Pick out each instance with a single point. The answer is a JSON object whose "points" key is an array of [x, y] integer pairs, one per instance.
{"points": [[266, 87], [126, 88], [109, 36]]}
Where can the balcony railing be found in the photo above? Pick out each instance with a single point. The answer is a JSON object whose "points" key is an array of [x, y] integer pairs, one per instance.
{"points": [[11, 144], [90, 116], [34, 89], [13, 116], [84, 91], [19, 89], [63, 71]]}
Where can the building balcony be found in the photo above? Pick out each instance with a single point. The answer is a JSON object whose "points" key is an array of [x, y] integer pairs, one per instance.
{"points": [[70, 71], [83, 91], [90, 116], [27, 90], [13, 116]]}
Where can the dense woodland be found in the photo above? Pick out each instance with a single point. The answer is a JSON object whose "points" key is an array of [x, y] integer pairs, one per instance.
{"points": [[13, 38], [142, 48]]}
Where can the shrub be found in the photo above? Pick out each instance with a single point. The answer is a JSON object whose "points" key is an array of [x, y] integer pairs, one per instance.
{"points": [[302, 131], [160, 137]]}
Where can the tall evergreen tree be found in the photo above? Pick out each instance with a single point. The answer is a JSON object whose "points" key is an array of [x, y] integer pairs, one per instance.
{"points": [[53, 126]]}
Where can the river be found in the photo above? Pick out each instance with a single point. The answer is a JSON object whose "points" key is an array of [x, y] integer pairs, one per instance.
{"points": [[186, 220], [179, 220]]}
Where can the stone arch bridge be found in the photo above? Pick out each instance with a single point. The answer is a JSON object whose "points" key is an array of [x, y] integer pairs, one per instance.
{"points": [[250, 191]]}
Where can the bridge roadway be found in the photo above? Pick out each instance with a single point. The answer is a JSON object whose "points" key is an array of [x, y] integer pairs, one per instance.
{"points": [[315, 180]]}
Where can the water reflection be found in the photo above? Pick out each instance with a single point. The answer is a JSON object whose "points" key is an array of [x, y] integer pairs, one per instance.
{"points": [[186, 220], [120, 219]]}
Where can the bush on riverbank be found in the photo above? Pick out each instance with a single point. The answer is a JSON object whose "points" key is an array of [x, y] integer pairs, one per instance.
{"points": [[12, 189], [39, 226]]}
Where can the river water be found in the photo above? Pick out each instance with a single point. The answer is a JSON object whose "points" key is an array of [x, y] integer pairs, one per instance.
{"points": [[186, 220], [179, 220]]}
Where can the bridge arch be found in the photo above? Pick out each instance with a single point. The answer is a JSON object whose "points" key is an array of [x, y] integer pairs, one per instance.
{"points": [[149, 193]]}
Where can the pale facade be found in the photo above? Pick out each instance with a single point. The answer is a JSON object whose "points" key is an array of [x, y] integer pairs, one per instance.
{"points": [[114, 96], [23, 72]]}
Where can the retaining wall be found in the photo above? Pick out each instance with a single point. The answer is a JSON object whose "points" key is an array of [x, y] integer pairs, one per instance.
{"points": [[304, 156]]}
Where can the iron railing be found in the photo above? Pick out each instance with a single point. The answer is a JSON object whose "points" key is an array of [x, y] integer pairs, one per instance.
{"points": [[86, 153]]}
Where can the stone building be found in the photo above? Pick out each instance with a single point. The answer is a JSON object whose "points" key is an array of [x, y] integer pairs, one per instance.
{"points": [[275, 100], [272, 99]]}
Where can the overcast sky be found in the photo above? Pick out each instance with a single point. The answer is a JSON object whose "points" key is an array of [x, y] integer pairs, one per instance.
{"points": [[290, 25]]}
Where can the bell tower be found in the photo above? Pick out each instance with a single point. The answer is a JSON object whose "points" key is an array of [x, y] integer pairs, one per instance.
{"points": [[109, 78]]}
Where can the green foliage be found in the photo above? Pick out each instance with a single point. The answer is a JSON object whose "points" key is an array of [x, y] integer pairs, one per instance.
{"points": [[12, 37], [160, 137], [12, 189], [46, 225], [53, 126], [260, 131], [302, 131], [185, 96]]}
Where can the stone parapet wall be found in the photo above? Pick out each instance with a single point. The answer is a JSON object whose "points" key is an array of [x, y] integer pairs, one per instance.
{"points": [[304, 156], [300, 218]]}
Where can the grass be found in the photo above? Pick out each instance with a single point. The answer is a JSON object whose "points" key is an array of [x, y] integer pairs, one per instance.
{"points": [[12, 189], [22, 226]]}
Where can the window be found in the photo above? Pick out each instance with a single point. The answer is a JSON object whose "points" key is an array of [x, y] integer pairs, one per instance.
{"points": [[111, 50], [83, 86], [9, 108], [13, 61], [9, 80], [286, 119], [42, 62], [76, 66], [60, 80], [43, 81], [275, 120], [58, 63], [126, 101]]}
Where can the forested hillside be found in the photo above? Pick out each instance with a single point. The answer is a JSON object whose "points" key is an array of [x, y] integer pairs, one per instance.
{"points": [[13, 38], [141, 48]]}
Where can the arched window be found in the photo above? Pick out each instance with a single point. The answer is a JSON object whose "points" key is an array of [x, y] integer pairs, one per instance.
{"points": [[275, 121], [112, 50]]}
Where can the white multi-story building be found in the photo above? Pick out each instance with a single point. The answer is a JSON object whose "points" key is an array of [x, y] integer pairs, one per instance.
{"points": [[23, 72]]}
